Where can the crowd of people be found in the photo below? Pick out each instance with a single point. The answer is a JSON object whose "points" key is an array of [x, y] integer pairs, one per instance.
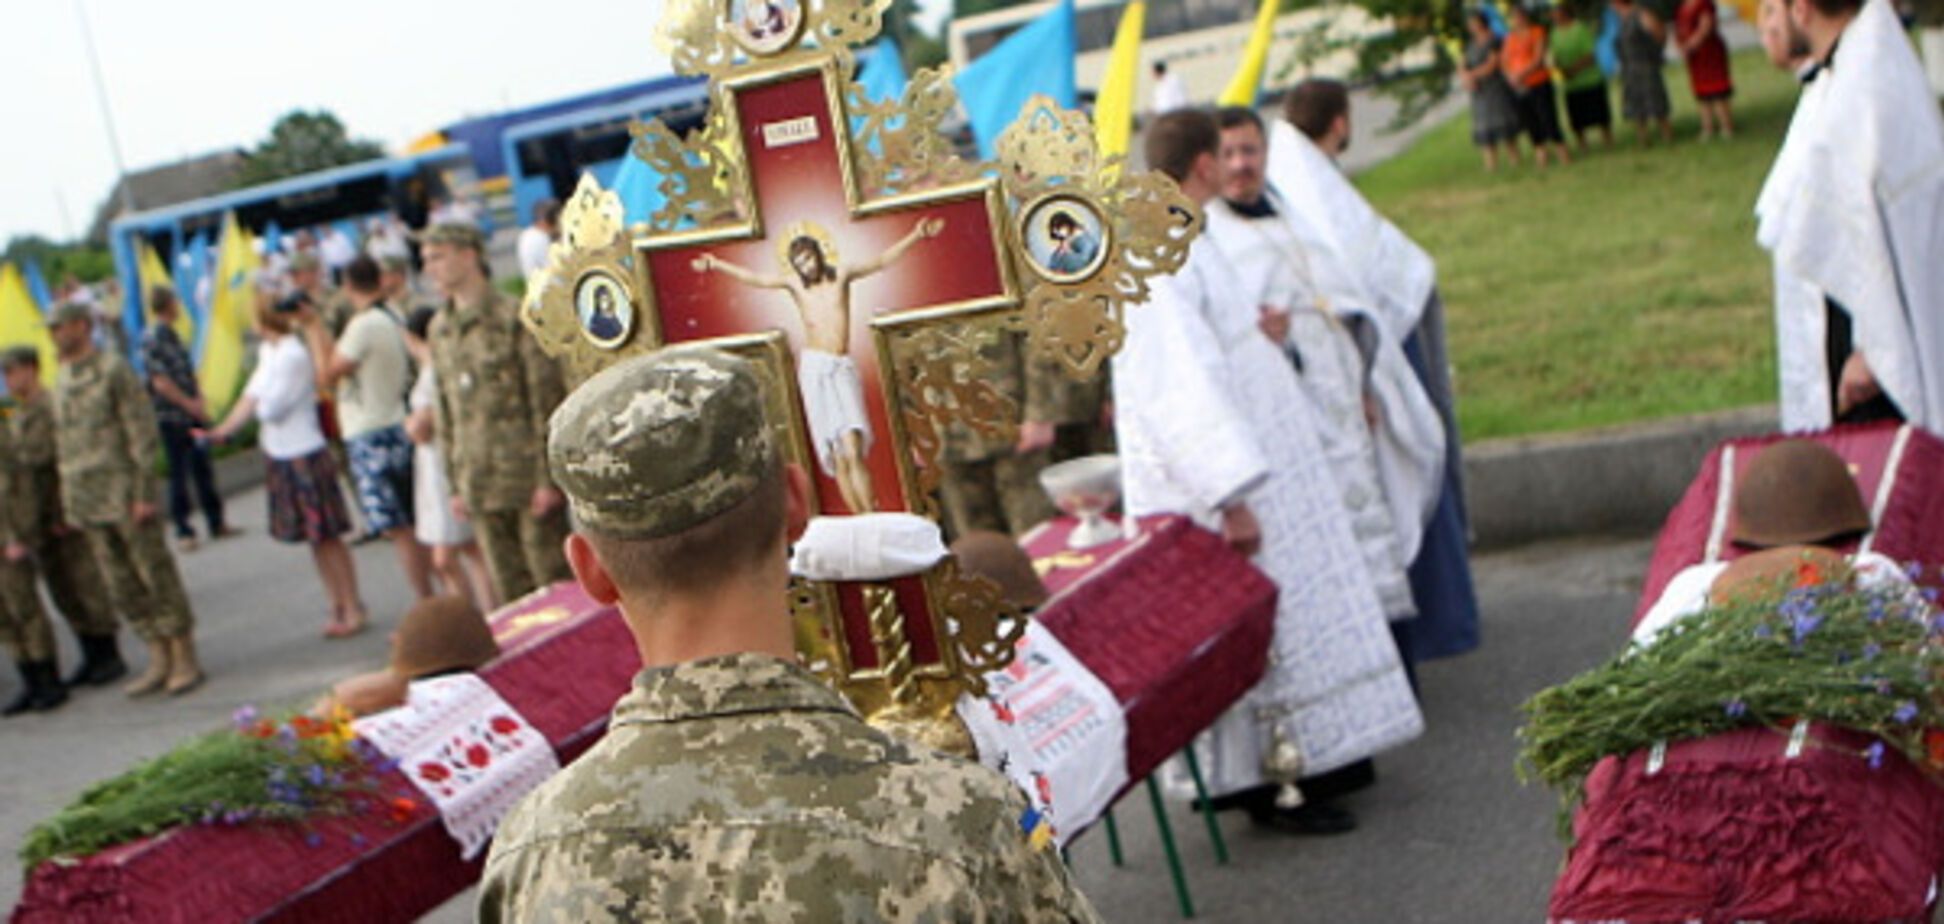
{"points": [[353, 392], [1518, 77]]}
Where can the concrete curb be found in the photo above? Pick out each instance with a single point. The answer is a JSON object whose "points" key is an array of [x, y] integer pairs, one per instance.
{"points": [[1620, 480]]}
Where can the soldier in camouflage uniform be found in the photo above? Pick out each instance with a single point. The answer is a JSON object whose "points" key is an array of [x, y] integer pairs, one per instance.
{"points": [[42, 539], [24, 631], [732, 785], [496, 389], [993, 485], [107, 440]]}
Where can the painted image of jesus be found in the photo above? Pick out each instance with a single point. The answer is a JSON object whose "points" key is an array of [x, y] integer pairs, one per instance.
{"points": [[818, 284]]}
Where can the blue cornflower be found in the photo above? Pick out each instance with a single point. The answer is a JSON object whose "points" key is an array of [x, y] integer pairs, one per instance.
{"points": [[244, 716], [1871, 650], [1875, 753], [1913, 570], [1905, 711], [1762, 630], [1735, 708], [315, 773], [1801, 625]]}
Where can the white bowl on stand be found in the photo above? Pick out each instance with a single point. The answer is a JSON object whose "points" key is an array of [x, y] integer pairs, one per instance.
{"points": [[1085, 489]]}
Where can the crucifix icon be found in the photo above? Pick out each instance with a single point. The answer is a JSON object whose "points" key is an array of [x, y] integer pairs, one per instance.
{"points": [[821, 280]]}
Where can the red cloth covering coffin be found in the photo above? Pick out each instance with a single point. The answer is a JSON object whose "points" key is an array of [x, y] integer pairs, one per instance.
{"points": [[1729, 827], [1175, 624], [1900, 470]]}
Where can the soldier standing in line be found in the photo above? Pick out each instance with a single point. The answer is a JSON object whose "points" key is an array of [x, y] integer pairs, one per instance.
{"points": [[496, 389], [44, 539], [24, 631], [994, 485], [731, 783], [107, 441]]}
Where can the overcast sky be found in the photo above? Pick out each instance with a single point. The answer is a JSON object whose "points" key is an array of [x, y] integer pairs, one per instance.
{"points": [[186, 77]]}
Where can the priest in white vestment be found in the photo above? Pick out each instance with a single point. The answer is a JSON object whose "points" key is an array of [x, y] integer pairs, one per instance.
{"points": [[1383, 438], [1853, 214], [1400, 281], [1213, 423]]}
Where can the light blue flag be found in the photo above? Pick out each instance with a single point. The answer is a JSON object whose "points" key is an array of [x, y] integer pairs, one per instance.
{"points": [[1495, 19], [638, 185], [189, 278], [1036, 59], [272, 239], [881, 72], [37, 286], [1607, 48]]}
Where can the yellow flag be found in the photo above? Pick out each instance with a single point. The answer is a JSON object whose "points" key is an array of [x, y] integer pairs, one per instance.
{"points": [[151, 272], [1114, 109], [233, 295], [21, 320], [1247, 82]]}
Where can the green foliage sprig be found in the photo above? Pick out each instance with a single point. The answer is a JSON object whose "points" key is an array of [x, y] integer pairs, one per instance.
{"points": [[1867, 660]]}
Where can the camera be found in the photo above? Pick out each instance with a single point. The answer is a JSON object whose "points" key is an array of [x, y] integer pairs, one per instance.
{"points": [[292, 303]]}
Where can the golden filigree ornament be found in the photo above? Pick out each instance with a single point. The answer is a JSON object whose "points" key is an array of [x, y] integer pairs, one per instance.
{"points": [[716, 37], [584, 307], [1055, 240], [1092, 235]]}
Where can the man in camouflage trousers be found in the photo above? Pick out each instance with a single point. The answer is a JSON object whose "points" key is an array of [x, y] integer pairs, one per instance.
{"points": [[993, 485], [732, 785], [42, 540], [496, 389], [107, 440], [24, 631]]}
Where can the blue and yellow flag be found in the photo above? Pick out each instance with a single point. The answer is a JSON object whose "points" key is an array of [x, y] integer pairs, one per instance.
{"points": [[1038, 59], [1114, 109], [1246, 85], [21, 321], [232, 297], [151, 272]]}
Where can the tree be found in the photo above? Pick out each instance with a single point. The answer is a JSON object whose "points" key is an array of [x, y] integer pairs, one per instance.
{"points": [[964, 8], [304, 142], [1412, 61], [918, 49], [58, 261]]}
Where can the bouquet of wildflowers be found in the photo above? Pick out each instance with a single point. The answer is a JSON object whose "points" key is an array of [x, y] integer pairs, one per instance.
{"points": [[261, 770], [1814, 648]]}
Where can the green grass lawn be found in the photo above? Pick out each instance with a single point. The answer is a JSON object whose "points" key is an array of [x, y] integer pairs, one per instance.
{"points": [[1625, 287]]}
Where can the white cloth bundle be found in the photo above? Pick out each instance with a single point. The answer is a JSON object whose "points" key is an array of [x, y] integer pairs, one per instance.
{"points": [[867, 547]]}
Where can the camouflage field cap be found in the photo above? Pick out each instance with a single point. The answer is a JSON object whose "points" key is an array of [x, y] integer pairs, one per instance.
{"points": [[660, 443], [304, 260], [19, 355], [453, 233], [69, 311]]}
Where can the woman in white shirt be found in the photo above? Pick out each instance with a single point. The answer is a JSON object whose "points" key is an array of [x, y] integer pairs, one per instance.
{"points": [[306, 504]]}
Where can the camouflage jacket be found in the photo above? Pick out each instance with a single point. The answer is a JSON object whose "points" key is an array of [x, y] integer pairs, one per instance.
{"points": [[1039, 388], [106, 438], [34, 457], [496, 390], [741, 789], [17, 507]]}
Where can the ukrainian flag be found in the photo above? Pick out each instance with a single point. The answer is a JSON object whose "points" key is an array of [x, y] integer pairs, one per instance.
{"points": [[1114, 109], [1247, 82], [231, 299], [21, 320], [151, 272]]}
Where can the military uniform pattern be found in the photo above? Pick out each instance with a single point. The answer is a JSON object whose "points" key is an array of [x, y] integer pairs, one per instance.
{"points": [[24, 631], [60, 552], [986, 484], [741, 789], [496, 389], [107, 440]]}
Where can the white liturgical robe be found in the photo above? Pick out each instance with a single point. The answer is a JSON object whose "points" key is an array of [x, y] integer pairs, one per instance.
{"points": [[1209, 412], [1853, 210]]}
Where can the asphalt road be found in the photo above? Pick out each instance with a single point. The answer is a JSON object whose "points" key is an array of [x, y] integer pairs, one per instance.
{"points": [[1448, 834]]}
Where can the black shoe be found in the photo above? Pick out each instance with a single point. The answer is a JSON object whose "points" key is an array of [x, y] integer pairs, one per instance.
{"points": [[50, 692], [1311, 818], [101, 662]]}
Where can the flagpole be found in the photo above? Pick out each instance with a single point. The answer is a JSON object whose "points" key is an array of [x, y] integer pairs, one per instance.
{"points": [[107, 114]]}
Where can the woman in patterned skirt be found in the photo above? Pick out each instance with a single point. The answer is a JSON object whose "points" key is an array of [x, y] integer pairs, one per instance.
{"points": [[306, 504], [1697, 31], [1495, 124], [1643, 93]]}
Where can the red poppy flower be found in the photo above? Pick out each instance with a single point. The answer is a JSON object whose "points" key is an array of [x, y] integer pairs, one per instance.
{"points": [[1934, 747], [504, 726], [478, 756], [1808, 575], [402, 809], [434, 773]]}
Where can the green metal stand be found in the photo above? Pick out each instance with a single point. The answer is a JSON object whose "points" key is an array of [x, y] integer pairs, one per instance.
{"points": [[1168, 844], [1113, 840], [1207, 807]]}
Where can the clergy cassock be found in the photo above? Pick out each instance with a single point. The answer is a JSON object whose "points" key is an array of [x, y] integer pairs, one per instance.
{"points": [[1208, 412], [1853, 213], [1389, 475], [1400, 281]]}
